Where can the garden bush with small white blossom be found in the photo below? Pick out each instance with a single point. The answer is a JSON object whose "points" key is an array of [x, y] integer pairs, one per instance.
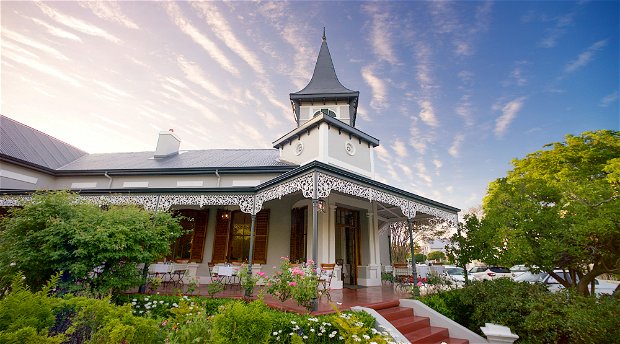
{"points": [[43, 317]]}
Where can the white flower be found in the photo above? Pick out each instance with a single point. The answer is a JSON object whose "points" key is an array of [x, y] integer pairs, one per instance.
{"points": [[305, 337], [311, 330], [275, 333], [313, 319], [12, 264], [293, 322], [366, 336]]}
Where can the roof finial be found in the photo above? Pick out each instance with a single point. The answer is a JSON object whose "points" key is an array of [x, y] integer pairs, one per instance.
{"points": [[324, 38]]}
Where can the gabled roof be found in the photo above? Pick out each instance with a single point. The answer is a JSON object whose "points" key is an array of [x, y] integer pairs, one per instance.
{"points": [[324, 82], [323, 118], [23, 144], [209, 159]]}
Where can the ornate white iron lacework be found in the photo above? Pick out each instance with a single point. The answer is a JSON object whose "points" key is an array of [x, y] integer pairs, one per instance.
{"points": [[153, 202], [253, 204], [305, 183], [326, 183]]}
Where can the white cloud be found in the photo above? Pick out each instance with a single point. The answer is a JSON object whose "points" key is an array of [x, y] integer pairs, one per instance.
{"points": [[585, 57], [111, 88], [509, 113], [379, 92], [464, 109], [609, 99], [455, 149], [557, 31], [380, 31], [363, 113], [437, 163], [109, 10], [382, 153], [58, 32], [450, 188], [422, 173], [405, 169], [207, 45], [517, 74], [41, 67], [222, 29], [427, 113], [19, 38], [400, 148], [195, 74], [77, 24]]}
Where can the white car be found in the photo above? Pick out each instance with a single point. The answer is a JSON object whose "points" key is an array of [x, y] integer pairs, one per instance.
{"points": [[518, 270], [455, 274], [483, 273], [600, 286]]}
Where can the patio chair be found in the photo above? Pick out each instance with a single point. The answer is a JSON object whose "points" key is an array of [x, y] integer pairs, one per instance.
{"points": [[325, 278], [161, 271], [402, 277], [177, 274]]}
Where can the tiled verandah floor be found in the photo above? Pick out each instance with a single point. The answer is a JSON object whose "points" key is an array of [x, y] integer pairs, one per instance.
{"points": [[343, 299]]}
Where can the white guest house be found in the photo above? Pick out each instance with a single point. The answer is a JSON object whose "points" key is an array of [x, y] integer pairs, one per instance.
{"points": [[312, 196]]}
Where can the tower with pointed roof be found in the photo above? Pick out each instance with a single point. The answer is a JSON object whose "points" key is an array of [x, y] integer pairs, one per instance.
{"points": [[325, 114], [324, 93]]}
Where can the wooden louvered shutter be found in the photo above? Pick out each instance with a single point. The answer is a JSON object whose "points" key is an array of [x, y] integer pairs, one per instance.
{"points": [[261, 232], [297, 241], [220, 239], [201, 218]]}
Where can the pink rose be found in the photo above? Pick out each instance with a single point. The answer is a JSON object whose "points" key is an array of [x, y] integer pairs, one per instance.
{"points": [[292, 284]]}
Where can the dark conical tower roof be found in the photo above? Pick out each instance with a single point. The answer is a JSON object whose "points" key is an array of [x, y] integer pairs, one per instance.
{"points": [[325, 86], [324, 80]]}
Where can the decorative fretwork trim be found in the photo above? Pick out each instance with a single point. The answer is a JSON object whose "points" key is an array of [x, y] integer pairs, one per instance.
{"points": [[252, 204], [152, 202]]}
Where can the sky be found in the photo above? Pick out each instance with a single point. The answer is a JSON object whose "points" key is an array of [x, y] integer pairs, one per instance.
{"points": [[453, 90]]}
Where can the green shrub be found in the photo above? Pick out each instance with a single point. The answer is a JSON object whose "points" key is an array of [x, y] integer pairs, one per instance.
{"points": [[500, 301], [159, 306], [197, 329], [436, 302], [532, 312], [241, 323], [25, 317], [100, 321]]}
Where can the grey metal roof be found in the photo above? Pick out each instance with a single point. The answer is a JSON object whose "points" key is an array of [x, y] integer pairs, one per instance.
{"points": [[324, 82], [193, 159], [23, 143]]}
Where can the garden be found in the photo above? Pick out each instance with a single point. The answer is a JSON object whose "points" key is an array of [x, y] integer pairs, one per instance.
{"points": [[65, 268]]}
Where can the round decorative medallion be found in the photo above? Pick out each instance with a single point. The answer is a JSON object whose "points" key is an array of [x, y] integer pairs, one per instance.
{"points": [[349, 148], [299, 148]]}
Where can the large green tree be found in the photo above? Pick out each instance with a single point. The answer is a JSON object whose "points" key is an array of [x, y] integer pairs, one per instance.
{"points": [[560, 208], [96, 248]]}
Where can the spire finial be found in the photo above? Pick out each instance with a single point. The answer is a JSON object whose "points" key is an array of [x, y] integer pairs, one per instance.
{"points": [[324, 38]]}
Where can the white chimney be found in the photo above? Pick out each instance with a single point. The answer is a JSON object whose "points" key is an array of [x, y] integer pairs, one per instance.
{"points": [[167, 144]]}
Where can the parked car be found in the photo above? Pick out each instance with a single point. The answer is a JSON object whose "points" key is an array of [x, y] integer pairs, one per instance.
{"points": [[518, 270], [600, 286], [482, 273], [455, 274]]}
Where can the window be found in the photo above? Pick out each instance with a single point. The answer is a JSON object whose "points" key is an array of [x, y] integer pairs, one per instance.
{"points": [[299, 234], [190, 246], [232, 237], [240, 237], [327, 112]]}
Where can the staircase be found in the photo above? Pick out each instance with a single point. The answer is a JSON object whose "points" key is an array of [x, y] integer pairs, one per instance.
{"points": [[417, 330]]}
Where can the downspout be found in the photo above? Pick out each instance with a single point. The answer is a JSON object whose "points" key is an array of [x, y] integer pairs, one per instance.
{"points": [[218, 178], [105, 174]]}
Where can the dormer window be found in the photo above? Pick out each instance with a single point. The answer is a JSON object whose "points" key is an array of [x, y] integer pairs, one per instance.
{"points": [[327, 112]]}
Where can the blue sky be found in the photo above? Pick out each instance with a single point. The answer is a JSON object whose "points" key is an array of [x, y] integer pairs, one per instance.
{"points": [[453, 90]]}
